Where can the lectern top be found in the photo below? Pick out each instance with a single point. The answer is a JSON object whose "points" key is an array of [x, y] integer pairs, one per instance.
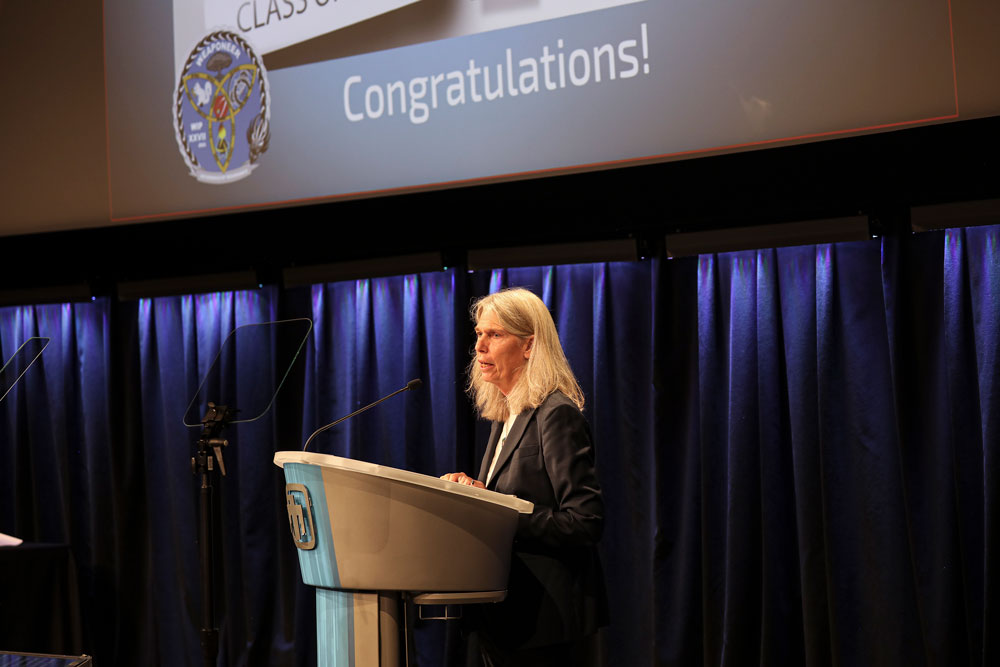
{"points": [[406, 476]]}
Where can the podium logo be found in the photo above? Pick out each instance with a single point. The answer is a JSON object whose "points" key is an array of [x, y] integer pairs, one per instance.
{"points": [[300, 516], [222, 109]]}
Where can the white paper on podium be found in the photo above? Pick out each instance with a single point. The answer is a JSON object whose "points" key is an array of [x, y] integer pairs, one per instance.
{"points": [[9, 540]]}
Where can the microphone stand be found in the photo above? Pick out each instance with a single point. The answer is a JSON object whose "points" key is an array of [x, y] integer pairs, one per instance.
{"points": [[411, 385], [203, 464]]}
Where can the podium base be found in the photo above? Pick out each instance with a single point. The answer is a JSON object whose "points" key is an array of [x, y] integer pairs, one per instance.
{"points": [[357, 629]]}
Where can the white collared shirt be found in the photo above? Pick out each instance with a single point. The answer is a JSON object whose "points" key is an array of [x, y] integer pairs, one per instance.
{"points": [[496, 454]]}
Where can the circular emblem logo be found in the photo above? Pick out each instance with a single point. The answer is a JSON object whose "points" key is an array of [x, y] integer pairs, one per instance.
{"points": [[222, 109]]}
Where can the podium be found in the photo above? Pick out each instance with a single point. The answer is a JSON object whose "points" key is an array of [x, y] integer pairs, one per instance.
{"points": [[366, 534]]}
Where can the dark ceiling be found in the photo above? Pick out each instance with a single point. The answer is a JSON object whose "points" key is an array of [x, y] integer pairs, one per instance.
{"points": [[878, 175]]}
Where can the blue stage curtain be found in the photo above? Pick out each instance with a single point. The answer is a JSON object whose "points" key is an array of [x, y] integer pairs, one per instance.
{"points": [[54, 428], [797, 448], [828, 487], [371, 337], [178, 338]]}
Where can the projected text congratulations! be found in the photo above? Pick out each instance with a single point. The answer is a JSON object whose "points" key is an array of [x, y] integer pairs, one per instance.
{"points": [[549, 71]]}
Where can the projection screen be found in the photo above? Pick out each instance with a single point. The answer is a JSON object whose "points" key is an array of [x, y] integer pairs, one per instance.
{"points": [[216, 105]]}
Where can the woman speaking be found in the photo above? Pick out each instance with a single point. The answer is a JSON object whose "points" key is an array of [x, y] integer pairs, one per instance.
{"points": [[540, 450]]}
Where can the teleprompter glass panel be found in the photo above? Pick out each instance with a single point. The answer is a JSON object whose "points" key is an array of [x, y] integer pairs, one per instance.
{"points": [[249, 369]]}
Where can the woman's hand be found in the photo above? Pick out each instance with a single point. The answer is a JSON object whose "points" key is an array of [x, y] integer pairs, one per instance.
{"points": [[462, 478]]}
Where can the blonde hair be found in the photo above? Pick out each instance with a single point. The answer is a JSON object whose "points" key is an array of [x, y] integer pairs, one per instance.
{"points": [[523, 314]]}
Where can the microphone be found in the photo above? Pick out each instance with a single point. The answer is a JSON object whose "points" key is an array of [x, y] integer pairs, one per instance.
{"points": [[411, 385]]}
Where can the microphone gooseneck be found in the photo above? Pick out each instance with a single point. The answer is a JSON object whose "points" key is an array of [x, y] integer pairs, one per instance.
{"points": [[411, 385]]}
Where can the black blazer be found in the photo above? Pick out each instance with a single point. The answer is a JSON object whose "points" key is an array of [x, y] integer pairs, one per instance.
{"points": [[556, 588]]}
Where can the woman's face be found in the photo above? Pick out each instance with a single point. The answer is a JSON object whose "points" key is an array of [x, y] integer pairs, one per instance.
{"points": [[500, 354]]}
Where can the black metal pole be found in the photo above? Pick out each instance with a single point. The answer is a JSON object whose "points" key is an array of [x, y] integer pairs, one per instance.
{"points": [[203, 465], [209, 633]]}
